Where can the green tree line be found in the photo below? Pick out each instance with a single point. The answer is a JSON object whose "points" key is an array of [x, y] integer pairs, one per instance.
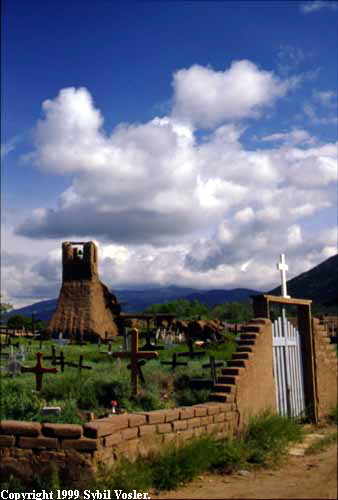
{"points": [[233, 312]]}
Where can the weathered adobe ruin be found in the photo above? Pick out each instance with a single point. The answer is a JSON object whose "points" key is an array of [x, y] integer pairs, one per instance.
{"points": [[86, 309]]}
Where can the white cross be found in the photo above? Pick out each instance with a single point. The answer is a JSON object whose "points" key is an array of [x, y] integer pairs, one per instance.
{"points": [[283, 267]]}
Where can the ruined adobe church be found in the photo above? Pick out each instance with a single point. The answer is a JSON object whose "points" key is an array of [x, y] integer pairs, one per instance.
{"points": [[86, 309]]}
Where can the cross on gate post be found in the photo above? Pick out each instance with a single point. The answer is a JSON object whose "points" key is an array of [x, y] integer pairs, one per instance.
{"points": [[283, 267], [135, 355], [39, 370]]}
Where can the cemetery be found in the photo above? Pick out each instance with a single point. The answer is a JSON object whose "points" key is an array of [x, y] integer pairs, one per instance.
{"points": [[99, 385]]}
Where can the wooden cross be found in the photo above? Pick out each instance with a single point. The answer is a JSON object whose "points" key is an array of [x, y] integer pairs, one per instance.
{"points": [[140, 363], [213, 365], [283, 267], [79, 365], [135, 355], [174, 363], [39, 370], [53, 356]]}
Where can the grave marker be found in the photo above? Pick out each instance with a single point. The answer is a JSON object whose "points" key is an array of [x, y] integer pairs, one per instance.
{"points": [[13, 367], [39, 370], [135, 355], [213, 365], [174, 363]]}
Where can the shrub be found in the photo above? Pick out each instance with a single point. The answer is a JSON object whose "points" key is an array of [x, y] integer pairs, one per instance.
{"points": [[19, 402], [126, 476], [179, 465], [333, 415], [268, 435], [230, 455]]}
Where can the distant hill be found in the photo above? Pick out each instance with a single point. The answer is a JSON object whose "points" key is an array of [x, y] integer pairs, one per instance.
{"points": [[318, 284], [139, 300]]}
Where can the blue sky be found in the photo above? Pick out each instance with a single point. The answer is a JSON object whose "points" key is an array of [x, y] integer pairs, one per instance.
{"points": [[193, 141]]}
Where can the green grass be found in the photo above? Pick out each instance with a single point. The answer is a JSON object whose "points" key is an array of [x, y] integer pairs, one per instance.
{"points": [[262, 444], [268, 436], [93, 390], [333, 415]]}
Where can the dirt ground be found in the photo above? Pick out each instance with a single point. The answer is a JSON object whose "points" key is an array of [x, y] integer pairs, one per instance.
{"points": [[312, 476]]}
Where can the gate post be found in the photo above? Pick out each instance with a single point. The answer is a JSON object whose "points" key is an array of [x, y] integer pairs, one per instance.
{"points": [[305, 330]]}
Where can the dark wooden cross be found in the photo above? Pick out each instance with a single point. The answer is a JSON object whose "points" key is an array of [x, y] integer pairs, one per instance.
{"points": [[39, 370], [174, 363], [191, 353], [60, 360], [79, 365], [53, 356], [135, 355], [140, 363], [213, 365]]}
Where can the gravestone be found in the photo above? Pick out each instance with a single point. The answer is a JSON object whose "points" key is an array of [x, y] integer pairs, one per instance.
{"points": [[13, 367]]}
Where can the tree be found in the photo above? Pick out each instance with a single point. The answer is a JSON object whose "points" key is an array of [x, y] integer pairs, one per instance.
{"points": [[5, 307], [17, 321], [182, 309], [234, 312]]}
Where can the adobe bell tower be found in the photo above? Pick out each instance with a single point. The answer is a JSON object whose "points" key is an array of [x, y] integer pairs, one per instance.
{"points": [[86, 309]]}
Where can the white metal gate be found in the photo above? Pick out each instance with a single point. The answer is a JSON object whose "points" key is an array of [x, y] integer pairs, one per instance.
{"points": [[288, 369]]}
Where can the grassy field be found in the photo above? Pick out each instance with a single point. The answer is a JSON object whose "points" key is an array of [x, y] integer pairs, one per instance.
{"points": [[93, 390]]}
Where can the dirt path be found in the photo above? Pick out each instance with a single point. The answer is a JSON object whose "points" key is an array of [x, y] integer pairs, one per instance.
{"points": [[313, 476]]}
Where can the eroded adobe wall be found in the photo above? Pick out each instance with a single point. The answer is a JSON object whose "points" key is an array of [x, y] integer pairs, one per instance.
{"points": [[325, 361], [85, 307], [254, 389], [28, 448]]}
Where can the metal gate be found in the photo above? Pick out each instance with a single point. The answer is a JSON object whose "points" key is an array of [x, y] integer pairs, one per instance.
{"points": [[288, 369]]}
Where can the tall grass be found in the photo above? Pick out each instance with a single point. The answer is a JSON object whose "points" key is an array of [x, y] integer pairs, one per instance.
{"points": [[263, 443]]}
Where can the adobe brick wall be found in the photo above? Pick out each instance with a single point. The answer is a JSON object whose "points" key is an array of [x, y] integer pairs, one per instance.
{"points": [[28, 448], [254, 390], [325, 360]]}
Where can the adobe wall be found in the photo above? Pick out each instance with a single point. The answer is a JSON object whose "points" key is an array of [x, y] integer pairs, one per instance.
{"points": [[325, 360], [28, 448], [85, 309], [255, 388]]}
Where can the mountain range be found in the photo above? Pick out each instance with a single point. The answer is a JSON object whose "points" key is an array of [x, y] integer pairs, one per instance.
{"points": [[318, 284], [139, 300]]}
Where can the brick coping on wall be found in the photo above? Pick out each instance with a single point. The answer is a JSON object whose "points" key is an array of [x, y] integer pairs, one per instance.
{"points": [[184, 423]]}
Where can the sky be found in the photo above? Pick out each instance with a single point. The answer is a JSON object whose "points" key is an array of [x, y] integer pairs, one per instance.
{"points": [[193, 141]]}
